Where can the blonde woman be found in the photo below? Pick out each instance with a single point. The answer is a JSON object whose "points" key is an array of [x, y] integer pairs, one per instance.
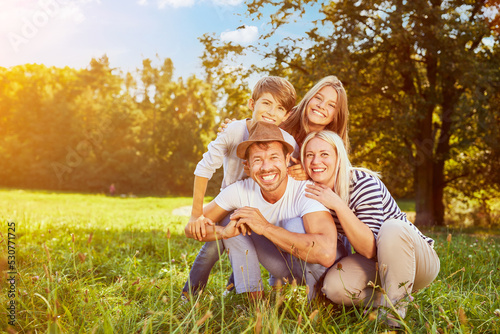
{"points": [[365, 212]]}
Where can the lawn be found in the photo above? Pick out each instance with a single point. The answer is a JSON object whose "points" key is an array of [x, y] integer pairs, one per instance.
{"points": [[97, 264]]}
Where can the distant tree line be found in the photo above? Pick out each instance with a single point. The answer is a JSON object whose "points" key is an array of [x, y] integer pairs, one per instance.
{"points": [[69, 129]]}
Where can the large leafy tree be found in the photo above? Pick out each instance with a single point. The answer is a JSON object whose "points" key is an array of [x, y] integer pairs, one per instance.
{"points": [[420, 76]]}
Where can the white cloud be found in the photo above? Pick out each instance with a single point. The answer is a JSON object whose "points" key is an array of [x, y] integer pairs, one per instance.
{"points": [[175, 3], [189, 3], [228, 2], [246, 35]]}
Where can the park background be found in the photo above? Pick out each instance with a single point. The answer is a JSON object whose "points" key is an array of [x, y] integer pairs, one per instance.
{"points": [[423, 82]]}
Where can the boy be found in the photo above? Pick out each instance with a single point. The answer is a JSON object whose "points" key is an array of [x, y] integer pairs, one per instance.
{"points": [[272, 99]]}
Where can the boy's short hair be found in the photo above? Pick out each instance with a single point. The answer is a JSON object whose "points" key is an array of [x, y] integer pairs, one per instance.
{"points": [[281, 89]]}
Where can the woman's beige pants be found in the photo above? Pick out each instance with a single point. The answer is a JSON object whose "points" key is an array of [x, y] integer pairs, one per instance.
{"points": [[406, 262]]}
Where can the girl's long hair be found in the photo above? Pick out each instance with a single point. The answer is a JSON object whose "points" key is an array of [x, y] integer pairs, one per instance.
{"points": [[343, 168], [297, 124]]}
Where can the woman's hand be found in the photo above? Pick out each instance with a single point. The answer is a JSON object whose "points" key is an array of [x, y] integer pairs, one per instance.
{"points": [[224, 125], [297, 171], [324, 195]]}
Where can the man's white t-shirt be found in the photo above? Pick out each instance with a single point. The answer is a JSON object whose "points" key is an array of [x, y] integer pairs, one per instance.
{"points": [[292, 204]]}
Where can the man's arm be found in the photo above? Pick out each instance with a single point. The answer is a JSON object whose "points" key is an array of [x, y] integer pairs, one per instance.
{"points": [[317, 245]]}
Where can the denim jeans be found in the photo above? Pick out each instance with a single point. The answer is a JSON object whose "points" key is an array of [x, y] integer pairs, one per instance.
{"points": [[207, 257]]}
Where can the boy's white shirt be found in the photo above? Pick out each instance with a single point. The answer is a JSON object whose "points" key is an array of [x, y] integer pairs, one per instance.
{"points": [[222, 152]]}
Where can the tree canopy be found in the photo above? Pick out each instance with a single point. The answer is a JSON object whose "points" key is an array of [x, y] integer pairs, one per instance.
{"points": [[422, 79], [85, 129]]}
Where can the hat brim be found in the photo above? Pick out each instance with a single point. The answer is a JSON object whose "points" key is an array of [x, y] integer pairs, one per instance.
{"points": [[243, 147]]}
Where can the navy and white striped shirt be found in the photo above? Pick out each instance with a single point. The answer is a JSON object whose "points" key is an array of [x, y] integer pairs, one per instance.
{"points": [[372, 203]]}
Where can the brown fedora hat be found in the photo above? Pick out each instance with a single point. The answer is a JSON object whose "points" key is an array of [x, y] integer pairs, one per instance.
{"points": [[262, 132]]}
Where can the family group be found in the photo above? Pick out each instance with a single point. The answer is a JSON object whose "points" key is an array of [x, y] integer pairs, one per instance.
{"points": [[292, 202]]}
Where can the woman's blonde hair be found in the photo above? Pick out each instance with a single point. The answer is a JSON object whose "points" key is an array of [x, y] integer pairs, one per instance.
{"points": [[343, 168], [297, 124]]}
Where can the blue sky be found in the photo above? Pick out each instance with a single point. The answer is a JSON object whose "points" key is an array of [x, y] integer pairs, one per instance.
{"points": [[71, 32]]}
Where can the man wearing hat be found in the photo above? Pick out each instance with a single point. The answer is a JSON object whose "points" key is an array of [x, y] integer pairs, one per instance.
{"points": [[273, 223]]}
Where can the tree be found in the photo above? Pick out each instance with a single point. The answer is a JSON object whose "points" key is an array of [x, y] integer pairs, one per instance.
{"points": [[418, 74]]}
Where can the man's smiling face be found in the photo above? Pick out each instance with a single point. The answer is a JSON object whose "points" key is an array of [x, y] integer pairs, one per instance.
{"points": [[268, 167]]}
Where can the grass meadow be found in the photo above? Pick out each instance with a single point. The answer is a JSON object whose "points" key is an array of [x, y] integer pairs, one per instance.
{"points": [[98, 264]]}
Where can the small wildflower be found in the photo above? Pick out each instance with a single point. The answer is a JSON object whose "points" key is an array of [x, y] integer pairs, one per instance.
{"points": [[339, 266], [461, 316], [47, 251], [168, 234], [72, 238], [82, 257], [448, 239], [90, 238], [299, 320], [313, 315], [497, 312], [258, 323]]}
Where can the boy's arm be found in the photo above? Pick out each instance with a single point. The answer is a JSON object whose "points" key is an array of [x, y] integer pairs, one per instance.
{"points": [[213, 212], [198, 223]]}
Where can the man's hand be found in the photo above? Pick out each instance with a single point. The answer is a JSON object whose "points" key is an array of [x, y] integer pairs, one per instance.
{"points": [[197, 227], [297, 171], [252, 218], [230, 230]]}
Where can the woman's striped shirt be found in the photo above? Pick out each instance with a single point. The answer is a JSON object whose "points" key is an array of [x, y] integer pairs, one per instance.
{"points": [[372, 203]]}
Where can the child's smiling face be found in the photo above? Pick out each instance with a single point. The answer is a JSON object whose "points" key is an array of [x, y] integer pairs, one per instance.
{"points": [[266, 108]]}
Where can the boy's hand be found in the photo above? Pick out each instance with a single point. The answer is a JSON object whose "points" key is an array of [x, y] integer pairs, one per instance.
{"points": [[197, 227], [297, 171], [224, 125]]}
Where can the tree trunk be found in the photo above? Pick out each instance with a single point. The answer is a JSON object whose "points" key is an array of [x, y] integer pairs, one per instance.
{"points": [[424, 205], [424, 163], [450, 99]]}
